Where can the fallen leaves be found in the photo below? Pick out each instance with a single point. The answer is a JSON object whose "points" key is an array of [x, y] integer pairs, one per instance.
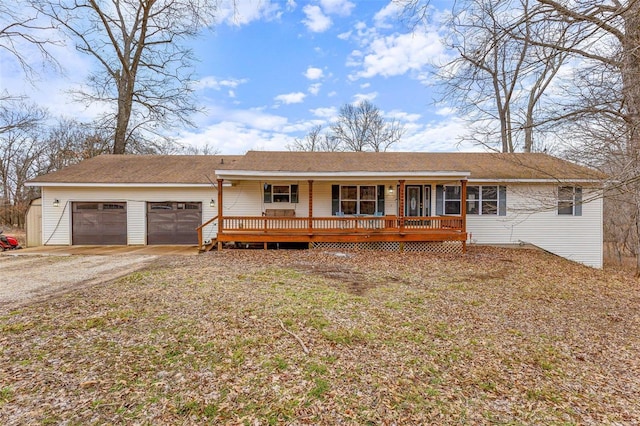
{"points": [[308, 337]]}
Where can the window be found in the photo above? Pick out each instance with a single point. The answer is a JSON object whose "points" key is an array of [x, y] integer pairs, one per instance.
{"points": [[358, 199], [280, 193], [481, 200], [486, 200], [112, 206], [452, 199], [570, 201], [173, 205]]}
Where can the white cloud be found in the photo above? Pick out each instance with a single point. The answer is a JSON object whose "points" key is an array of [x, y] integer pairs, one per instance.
{"points": [[403, 116], [314, 89], [316, 21], [313, 73], [229, 137], [326, 113], [445, 111], [49, 89], [435, 137], [291, 98], [398, 54], [355, 58], [255, 118], [303, 126], [242, 12], [211, 82], [392, 10], [344, 36], [359, 97], [337, 7]]}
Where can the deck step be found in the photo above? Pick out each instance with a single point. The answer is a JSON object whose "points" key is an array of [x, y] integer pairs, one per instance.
{"points": [[208, 247]]}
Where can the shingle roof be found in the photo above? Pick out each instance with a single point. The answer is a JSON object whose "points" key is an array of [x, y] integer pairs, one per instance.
{"points": [[480, 165], [200, 169], [142, 169]]}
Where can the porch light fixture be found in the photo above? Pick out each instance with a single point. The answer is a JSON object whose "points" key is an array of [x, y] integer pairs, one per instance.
{"points": [[390, 189], [56, 203], [212, 203]]}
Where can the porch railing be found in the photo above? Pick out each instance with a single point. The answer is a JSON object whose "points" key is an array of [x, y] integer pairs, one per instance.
{"points": [[336, 228], [339, 224]]}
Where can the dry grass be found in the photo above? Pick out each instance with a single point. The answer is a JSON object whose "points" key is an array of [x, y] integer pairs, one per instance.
{"points": [[497, 336]]}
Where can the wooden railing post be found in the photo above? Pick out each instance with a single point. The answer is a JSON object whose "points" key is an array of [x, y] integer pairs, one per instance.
{"points": [[310, 225], [463, 212], [401, 206], [220, 216], [200, 228]]}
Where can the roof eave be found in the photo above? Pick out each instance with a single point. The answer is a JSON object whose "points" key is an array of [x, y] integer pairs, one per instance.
{"points": [[120, 185], [331, 176], [536, 180]]}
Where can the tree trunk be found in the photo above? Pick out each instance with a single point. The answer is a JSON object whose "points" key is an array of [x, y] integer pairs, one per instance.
{"points": [[631, 97], [637, 202], [125, 102]]}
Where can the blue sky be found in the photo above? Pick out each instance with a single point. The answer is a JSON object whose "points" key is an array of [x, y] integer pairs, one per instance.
{"points": [[274, 69]]}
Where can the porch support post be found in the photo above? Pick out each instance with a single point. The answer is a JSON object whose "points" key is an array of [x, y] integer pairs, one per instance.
{"points": [[310, 226], [401, 205], [463, 212], [220, 218]]}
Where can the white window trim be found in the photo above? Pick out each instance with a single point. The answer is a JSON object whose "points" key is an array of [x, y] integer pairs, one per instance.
{"points": [[574, 200], [480, 200], [444, 200], [358, 199], [281, 194], [272, 195]]}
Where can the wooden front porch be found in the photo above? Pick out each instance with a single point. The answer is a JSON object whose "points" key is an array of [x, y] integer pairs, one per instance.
{"points": [[335, 229], [350, 229]]}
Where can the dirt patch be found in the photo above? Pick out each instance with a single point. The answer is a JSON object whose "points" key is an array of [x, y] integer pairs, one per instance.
{"points": [[344, 273], [353, 281]]}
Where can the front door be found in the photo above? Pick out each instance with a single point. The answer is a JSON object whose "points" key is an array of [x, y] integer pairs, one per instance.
{"points": [[413, 200], [417, 201]]}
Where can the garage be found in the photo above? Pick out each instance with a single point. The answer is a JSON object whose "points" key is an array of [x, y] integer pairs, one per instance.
{"points": [[99, 223], [173, 222]]}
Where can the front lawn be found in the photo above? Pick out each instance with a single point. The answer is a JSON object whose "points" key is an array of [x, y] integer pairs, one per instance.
{"points": [[276, 337]]}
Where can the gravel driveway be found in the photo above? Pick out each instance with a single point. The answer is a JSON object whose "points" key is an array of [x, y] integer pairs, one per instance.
{"points": [[30, 278]]}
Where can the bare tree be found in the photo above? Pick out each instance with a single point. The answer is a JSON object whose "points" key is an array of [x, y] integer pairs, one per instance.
{"points": [[18, 28], [361, 127], [595, 107], [20, 150], [602, 110], [316, 140], [143, 65], [498, 78], [69, 142], [199, 150]]}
